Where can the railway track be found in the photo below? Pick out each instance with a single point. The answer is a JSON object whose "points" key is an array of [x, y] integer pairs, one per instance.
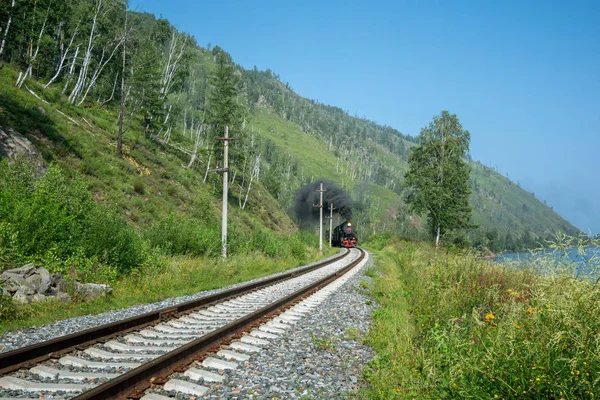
{"points": [[126, 358]]}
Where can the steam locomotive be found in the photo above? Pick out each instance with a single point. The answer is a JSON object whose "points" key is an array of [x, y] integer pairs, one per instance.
{"points": [[344, 236]]}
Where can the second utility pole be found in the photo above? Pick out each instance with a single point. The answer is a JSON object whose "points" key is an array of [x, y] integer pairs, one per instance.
{"points": [[330, 222], [321, 216]]}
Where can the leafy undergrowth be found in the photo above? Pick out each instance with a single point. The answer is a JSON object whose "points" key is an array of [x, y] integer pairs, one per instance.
{"points": [[454, 326], [168, 277]]}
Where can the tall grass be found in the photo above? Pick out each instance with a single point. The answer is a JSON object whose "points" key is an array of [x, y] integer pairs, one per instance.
{"points": [[163, 278], [455, 326]]}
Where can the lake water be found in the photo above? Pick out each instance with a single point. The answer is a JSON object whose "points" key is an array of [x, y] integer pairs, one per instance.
{"points": [[584, 262]]}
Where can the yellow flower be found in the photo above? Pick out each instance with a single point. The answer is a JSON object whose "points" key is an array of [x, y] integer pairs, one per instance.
{"points": [[517, 326], [514, 293], [489, 317], [529, 311]]}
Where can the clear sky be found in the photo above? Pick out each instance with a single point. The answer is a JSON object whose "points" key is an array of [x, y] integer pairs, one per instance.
{"points": [[522, 76]]}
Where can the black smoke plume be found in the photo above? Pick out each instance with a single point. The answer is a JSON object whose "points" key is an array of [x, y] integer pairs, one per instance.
{"points": [[307, 196]]}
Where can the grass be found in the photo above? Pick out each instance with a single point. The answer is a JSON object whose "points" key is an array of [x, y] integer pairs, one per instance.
{"points": [[174, 276], [454, 326]]}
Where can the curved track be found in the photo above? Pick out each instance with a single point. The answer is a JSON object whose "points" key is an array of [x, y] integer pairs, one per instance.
{"points": [[123, 359]]}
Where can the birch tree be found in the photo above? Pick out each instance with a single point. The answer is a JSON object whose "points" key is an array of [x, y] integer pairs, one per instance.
{"points": [[31, 54], [7, 27], [439, 177]]}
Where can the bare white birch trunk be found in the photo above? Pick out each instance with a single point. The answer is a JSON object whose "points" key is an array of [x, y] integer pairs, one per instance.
{"points": [[74, 96], [71, 69], [254, 175], [12, 6], [33, 56], [64, 57], [171, 65], [98, 71], [207, 168]]}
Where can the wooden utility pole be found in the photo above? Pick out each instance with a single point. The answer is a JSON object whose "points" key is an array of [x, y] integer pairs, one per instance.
{"points": [[321, 191], [330, 218], [225, 171]]}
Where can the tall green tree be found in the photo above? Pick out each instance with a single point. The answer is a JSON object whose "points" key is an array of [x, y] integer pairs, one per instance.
{"points": [[438, 175], [225, 105]]}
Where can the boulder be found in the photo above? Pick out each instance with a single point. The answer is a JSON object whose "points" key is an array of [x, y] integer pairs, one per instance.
{"points": [[12, 277], [39, 297], [90, 291], [63, 297], [14, 146], [22, 296], [34, 280], [46, 280], [25, 270]]}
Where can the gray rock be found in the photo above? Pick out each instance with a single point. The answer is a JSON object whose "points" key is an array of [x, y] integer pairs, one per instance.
{"points": [[61, 286], [12, 277], [90, 291], [26, 289], [22, 297], [34, 280], [39, 297], [46, 280], [25, 270], [14, 146], [10, 287], [63, 297]]}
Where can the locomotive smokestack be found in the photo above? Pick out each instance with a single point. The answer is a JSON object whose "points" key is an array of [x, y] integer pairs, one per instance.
{"points": [[306, 197]]}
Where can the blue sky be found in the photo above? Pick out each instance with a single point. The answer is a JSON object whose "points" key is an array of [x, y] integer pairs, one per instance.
{"points": [[522, 76]]}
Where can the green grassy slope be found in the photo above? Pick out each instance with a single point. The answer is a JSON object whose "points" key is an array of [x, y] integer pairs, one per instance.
{"points": [[148, 184]]}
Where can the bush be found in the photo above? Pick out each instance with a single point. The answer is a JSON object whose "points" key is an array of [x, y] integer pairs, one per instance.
{"points": [[53, 220], [178, 235]]}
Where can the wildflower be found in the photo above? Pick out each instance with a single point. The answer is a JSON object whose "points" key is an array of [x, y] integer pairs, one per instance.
{"points": [[517, 326], [529, 311], [489, 317]]}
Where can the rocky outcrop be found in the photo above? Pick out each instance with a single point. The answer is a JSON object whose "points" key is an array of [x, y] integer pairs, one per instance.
{"points": [[14, 146], [28, 283]]}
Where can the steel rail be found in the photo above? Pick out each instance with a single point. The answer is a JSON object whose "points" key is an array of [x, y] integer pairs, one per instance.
{"points": [[133, 383], [19, 358]]}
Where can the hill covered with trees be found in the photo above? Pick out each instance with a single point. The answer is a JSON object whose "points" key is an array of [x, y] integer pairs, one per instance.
{"points": [[78, 75]]}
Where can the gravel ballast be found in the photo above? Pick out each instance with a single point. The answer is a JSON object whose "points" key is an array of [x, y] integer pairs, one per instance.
{"points": [[26, 337], [321, 356]]}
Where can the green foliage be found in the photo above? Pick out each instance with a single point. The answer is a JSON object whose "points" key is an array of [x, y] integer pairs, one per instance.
{"points": [[177, 235], [8, 309], [454, 326], [439, 177], [224, 107], [53, 219]]}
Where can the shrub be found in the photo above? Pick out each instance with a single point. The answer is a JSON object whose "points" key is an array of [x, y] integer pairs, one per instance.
{"points": [[139, 187], [53, 219]]}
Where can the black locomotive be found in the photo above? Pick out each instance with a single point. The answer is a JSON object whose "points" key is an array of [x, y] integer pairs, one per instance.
{"points": [[344, 236]]}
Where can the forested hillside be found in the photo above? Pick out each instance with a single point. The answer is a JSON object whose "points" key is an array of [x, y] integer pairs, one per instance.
{"points": [[77, 75]]}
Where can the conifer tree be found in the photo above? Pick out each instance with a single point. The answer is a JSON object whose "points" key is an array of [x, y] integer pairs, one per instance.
{"points": [[438, 175], [224, 106]]}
